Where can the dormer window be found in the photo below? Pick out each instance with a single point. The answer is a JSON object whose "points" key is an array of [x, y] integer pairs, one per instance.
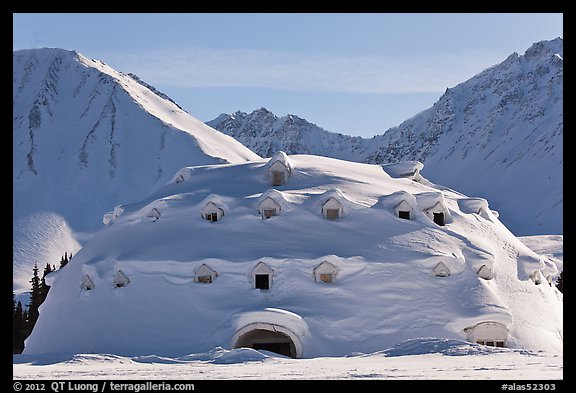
{"points": [[262, 276], [120, 279], [269, 208], [325, 272], [87, 283], [205, 274], [212, 212], [332, 209]]}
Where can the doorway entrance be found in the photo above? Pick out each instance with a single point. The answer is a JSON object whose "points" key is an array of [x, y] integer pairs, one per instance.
{"points": [[267, 340]]}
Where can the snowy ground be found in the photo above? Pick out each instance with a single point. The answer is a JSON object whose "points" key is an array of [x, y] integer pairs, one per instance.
{"points": [[422, 359]]}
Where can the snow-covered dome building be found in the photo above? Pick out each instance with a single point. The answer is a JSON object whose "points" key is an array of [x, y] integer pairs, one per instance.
{"points": [[353, 260]]}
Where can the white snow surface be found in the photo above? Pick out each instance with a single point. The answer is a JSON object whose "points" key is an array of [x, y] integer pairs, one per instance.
{"points": [[417, 359], [87, 138], [385, 292], [548, 246]]}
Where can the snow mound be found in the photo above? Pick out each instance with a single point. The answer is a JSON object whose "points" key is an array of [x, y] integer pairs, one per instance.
{"points": [[447, 347], [217, 355], [315, 280], [407, 169]]}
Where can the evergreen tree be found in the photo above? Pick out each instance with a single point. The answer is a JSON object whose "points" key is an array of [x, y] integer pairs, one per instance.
{"points": [[35, 298], [43, 286], [64, 260], [18, 330], [25, 318], [560, 282]]}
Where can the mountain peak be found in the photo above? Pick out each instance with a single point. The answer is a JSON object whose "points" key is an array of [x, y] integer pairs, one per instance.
{"points": [[98, 137], [503, 123], [546, 48]]}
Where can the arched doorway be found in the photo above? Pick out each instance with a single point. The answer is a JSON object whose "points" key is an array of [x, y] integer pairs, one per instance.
{"points": [[267, 340], [268, 337]]}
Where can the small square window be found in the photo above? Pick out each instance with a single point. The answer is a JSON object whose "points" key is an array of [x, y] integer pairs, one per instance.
{"points": [[332, 214], [205, 279], [404, 214], [439, 218], [326, 277], [262, 281]]}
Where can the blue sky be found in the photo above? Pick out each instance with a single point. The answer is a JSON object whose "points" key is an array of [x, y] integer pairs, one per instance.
{"points": [[354, 73]]}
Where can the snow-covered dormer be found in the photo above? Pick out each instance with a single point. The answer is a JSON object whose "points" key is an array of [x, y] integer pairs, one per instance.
{"points": [[485, 272], [404, 169], [262, 276], [205, 274], [279, 169], [269, 208], [121, 279], [475, 206], [433, 205], [87, 283], [154, 214], [404, 210], [401, 203], [325, 272], [537, 277], [441, 270], [212, 212], [332, 209]]}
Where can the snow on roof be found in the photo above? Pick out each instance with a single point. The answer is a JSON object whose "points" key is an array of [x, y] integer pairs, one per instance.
{"points": [[182, 175], [456, 264], [407, 169], [390, 201], [433, 202], [429, 199], [282, 158], [276, 196], [335, 194], [215, 200], [110, 217], [477, 206]]}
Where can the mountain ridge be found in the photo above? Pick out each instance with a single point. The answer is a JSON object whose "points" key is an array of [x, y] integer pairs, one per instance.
{"points": [[87, 138], [508, 116]]}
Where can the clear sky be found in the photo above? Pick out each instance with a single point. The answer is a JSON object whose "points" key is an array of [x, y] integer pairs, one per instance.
{"points": [[354, 73]]}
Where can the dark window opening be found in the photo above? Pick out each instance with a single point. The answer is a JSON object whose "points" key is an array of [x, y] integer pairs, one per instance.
{"points": [[491, 343], [212, 217], [279, 348], [332, 214], [205, 279], [404, 214], [439, 218], [262, 281], [267, 340], [277, 178], [269, 213]]}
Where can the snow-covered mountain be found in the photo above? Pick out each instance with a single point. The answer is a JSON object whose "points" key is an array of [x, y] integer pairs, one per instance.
{"points": [[266, 134], [87, 138], [302, 255], [498, 135]]}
